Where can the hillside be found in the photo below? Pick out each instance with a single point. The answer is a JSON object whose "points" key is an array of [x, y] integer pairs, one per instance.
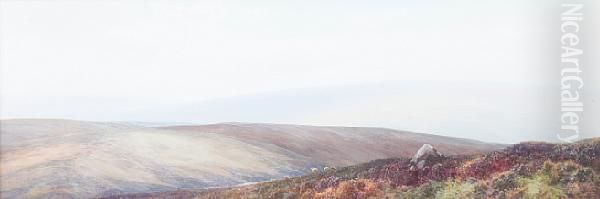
{"points": [[526, 170], [44, 158], [339, 146]]}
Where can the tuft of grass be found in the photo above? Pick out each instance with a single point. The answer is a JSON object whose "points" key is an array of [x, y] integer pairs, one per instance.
{"points": [[427, 190], [505, 181], [538, 187], [454, 189]]}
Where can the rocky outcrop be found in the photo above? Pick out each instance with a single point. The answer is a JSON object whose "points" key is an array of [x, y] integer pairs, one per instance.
{"points": [[426, 155]]}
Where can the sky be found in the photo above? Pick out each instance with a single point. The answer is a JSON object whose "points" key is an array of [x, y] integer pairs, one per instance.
{"points": [[475, 69]]}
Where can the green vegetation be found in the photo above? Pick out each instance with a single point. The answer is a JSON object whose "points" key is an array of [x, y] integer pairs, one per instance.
{"points": [[549, 182], [453, 189]]}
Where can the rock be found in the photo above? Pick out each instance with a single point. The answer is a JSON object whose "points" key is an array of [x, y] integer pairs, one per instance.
{"points": [[421, 164], [425, 153]]}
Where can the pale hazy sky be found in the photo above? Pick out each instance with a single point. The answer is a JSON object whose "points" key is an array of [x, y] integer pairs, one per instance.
{"points": [[461, 68]]}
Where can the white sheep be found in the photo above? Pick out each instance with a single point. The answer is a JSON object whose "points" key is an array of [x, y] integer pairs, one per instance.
{"points": [[314, 170]]}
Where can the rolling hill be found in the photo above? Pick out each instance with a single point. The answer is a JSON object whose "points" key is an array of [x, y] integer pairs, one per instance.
{"points": [[44, 158], [525, 170]]}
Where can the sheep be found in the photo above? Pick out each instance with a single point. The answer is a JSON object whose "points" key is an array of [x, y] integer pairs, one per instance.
{"points": [[314, 170], [328, 169]]}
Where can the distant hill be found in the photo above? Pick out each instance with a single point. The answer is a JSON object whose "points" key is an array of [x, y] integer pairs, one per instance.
{"points": [[78, 159], [526, 170], [340, 146]]}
